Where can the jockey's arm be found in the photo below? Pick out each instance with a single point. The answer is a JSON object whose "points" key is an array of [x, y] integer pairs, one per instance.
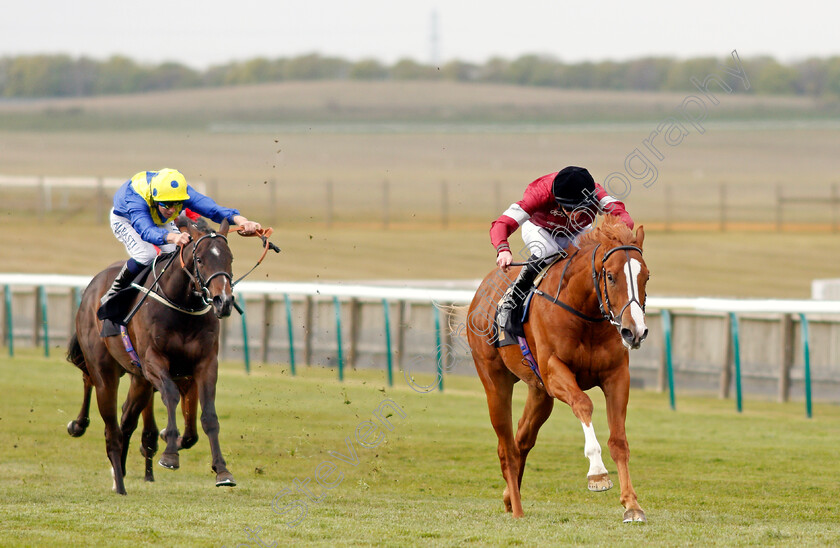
{"points": [[246, 227]]}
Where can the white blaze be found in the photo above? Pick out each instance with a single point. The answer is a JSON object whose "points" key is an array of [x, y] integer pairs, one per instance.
{"points": [[632, 271], [592, 450]]}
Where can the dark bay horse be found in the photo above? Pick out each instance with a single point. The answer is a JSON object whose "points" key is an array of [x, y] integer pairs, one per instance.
{"points": [[580, 335], [177, 340]]}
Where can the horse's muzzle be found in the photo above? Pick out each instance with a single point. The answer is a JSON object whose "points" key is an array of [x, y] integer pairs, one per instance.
{"points": [[222, 306], [633, 339]]}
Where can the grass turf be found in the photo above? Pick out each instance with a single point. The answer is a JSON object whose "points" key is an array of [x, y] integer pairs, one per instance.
{"points": [[705, 474]]}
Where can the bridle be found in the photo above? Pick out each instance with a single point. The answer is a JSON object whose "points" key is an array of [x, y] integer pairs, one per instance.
{"points": [[201, 284], [604, 303]]}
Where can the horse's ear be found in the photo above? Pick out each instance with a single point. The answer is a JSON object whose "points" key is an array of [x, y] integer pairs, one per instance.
{"points": [[224, 227], [181, 221], [640, 236], [193, 230]]}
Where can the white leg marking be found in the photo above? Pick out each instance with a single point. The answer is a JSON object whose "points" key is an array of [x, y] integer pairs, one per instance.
{"points": [[632, 271], [592, 450], [113, 480]]}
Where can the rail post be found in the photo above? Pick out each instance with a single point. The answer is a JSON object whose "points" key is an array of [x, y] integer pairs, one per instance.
{"points": [[806, 355], [438, 349], [337, 305], [388, 355], [736, 356], [290, 328], [10, 324], [669, 362], [245, 351], [45, 324]]}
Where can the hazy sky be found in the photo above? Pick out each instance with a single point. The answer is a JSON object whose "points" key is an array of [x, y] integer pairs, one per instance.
{"points": [[200, 34]]}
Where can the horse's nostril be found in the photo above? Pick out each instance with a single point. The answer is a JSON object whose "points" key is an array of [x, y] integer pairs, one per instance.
{"points": [[644, 335], [626, 334]]}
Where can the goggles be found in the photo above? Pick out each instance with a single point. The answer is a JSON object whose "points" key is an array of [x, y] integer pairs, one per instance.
{"points": [[169, 205]]}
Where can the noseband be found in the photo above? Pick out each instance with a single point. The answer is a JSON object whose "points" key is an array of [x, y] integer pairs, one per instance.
{"points": [[604, 303]]}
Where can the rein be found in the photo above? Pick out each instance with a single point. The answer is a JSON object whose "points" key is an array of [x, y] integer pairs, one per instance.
{"points": [[202, 285], [147, 291]]}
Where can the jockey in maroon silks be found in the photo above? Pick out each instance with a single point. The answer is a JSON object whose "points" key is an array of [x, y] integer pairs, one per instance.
{"points": [[555, 210]]}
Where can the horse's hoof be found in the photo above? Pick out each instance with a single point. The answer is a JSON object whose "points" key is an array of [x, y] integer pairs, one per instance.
{"points": [[170, 461], [75, 429], [187, 442], [225, 479], [634, 515], [599, 482]]}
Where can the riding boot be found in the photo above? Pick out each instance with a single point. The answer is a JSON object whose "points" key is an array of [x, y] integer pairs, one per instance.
{"points": [[516, 293], [122, 281]]}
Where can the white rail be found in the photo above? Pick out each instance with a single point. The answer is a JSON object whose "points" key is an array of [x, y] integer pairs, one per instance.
{"points": [[456, 296]]}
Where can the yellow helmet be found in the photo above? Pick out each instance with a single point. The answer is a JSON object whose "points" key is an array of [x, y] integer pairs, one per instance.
{"points": [[169, 185]]}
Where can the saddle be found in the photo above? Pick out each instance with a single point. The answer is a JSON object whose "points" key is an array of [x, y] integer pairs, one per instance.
{"points": [[112, 313], [514, 327], [513, 331]]}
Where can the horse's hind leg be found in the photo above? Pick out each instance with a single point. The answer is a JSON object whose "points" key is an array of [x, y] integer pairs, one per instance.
{"points": [[78, 427], [139, 395], [149, 438], [189, 409], [106, 400], [560, 382], [538, 407], [498, 385]]}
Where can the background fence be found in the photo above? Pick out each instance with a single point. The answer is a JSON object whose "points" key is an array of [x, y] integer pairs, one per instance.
{"points": [[783, 348], [386, 204]]}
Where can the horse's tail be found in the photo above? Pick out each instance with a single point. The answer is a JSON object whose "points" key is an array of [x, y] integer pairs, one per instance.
{"points": [[75, 355], [456, 317]]}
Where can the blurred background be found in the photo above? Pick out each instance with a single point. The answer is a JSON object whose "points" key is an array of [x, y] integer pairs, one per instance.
{"points": [[381, 141]]}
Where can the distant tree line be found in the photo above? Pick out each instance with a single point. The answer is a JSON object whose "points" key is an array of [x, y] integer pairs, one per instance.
{"points": [[64, 76]]}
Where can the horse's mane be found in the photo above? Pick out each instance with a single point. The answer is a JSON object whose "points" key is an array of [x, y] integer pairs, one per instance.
{"points": [[200, 224], [610, 231]]}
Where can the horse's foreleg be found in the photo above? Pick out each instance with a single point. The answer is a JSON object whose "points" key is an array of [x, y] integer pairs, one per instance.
{"points": [[617, 392], [77, 428], [538, 407], [139, 395], [205, 380], [149, 439], [170, 396], [562, 384]]}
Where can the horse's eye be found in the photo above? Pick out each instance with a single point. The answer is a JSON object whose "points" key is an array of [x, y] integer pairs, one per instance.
{"points": [[198, 260], [610, 277]]}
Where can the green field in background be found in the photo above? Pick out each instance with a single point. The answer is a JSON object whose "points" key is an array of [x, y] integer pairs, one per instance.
{"points": [[704, 474], [452, 157], [738, 264]]}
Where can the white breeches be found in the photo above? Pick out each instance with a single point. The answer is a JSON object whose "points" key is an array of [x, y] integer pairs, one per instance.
{"points": [[141, 251], [542, 242]]}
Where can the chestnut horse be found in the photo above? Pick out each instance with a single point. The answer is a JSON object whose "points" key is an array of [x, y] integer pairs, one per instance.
{"points": [[177, 341], [580, 334]]}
